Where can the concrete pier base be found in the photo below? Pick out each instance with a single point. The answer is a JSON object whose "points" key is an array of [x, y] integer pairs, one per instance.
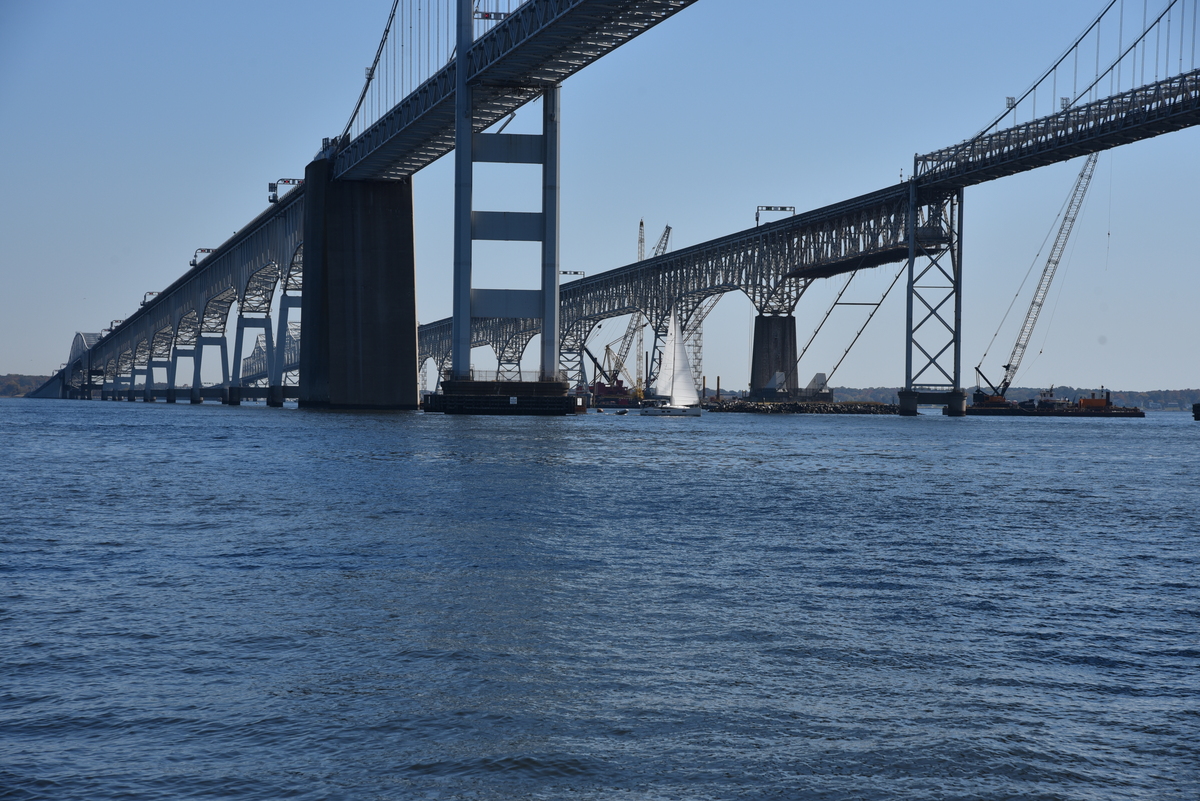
{"points": [[235, 396], [954, 402], [359, 338], [774, 358]]}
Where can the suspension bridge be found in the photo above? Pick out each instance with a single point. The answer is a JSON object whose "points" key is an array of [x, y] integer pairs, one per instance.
{"points": [[448, 84]]}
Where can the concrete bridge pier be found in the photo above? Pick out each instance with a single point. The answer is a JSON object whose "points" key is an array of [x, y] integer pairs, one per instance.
{"points": [[279, 352], [198, 357], [173, 370], [164, 364], [773, 362], [359, 338], [234, 395]]}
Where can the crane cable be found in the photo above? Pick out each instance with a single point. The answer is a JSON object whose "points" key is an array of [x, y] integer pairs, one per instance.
{"points": [[1037, 258]]}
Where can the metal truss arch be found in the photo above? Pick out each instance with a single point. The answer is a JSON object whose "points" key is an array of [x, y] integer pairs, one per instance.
{"points": [[141, 353], [216, 312], [260, 290], [161, 343], [187, 331], [293, 277]]}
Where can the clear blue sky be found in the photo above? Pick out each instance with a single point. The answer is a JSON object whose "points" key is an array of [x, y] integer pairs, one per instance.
{"points": [[136, 132]]}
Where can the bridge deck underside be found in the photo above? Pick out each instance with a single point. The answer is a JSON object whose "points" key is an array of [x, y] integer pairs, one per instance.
{"points": [[542, 43], [889, 255], [1143, 113]]}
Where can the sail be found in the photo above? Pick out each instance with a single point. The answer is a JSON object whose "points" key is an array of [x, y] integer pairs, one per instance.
{"points": [[666, 367], [683, 386]]}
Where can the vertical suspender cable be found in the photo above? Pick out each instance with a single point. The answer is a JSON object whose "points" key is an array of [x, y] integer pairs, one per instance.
{"points": [[1120, 43], [1142, 79], [1167, 39], [1182, 23], [1194, 34]]}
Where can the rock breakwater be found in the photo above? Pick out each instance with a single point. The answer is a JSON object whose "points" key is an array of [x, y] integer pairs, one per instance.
{"points": [[801, 407]]}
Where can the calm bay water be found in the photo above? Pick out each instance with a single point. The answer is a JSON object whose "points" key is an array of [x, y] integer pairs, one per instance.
{"points": [[257, 604]]}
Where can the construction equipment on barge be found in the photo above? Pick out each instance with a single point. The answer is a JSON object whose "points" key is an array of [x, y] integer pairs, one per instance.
{"points": [[1046, 405]]}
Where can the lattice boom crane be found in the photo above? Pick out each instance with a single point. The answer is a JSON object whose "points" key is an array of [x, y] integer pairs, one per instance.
{"points": [[1074, 204]]}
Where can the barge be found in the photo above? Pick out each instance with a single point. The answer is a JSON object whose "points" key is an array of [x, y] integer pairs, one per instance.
{"points": [[1048, 405]]}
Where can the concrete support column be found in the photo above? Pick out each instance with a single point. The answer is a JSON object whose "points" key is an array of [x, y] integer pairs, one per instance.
{"points": [[550, 206], [956, 403], [460, 337], [774, 353], [359, 339], [234, 398], [224, 346], [279, 351], [172, 371], [197, 357]]}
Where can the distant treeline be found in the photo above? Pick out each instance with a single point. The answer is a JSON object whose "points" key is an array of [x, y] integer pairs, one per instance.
{"points": [[1155, 399], [13, 386]]}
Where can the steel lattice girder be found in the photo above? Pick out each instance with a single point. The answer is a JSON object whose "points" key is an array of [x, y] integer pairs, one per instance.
{"points": [[254, 366], [1169, 105], [541, 43], [771, 263], [869, 231], [933, 359]]}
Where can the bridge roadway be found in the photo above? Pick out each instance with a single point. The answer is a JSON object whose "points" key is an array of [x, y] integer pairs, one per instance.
{"points": [[772, 263]]}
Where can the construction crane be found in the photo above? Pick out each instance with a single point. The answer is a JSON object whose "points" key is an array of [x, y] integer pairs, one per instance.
{"points": [[637, 323], [1074, 203]]}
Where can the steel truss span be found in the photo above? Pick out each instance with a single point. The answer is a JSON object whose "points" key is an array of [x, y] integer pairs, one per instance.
{"points": [[773, 263]]}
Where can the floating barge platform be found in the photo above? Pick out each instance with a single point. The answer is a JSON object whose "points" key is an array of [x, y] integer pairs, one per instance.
{"points": [[1047, 405], [536, 398]]}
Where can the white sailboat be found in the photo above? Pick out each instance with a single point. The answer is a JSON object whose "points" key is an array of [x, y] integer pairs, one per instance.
{"points": [[675, 378]]}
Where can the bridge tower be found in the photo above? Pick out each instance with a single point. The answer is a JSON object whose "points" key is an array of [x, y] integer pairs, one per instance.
{"points": [[933, 351], [461, 393]]}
